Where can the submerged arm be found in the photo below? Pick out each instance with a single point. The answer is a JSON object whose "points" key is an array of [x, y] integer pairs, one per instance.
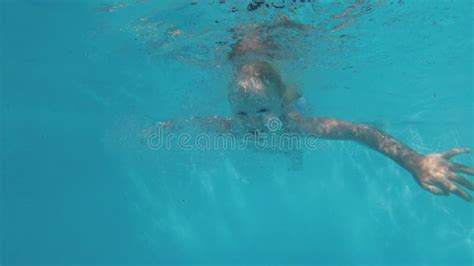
{"points": [[210, 124], [328, 128], [205, 124], [434, 172]]}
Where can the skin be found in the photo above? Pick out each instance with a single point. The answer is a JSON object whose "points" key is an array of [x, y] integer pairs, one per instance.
{"points": [[256, 96]]}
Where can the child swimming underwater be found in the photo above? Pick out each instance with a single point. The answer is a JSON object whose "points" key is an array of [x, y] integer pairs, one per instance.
{"points": [[258, 95]]}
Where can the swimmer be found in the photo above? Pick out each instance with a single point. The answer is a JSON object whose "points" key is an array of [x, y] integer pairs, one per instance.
{"points": [[258, 95]]}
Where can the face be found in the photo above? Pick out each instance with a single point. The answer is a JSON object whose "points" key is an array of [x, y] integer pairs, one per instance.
{"points": [[253, 107]]}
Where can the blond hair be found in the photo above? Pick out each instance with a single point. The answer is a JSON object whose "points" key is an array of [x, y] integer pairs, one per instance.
{"points": [[255, 74]]}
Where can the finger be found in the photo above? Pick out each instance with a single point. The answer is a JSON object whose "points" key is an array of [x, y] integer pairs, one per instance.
{"points": [[459, 192], [434, 189], [462, 181], [455, 151], [462, 169]]}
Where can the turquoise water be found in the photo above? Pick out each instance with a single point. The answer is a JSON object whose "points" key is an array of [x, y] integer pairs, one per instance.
{"points": [[81, 80]]}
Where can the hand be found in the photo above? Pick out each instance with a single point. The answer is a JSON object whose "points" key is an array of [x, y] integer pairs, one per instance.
{"points": [[435, 173]]}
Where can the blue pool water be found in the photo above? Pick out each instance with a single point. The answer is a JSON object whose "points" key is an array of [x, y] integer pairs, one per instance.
{"points": [[81, 80]]}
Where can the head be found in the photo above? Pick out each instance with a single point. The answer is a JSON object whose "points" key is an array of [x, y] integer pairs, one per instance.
{"points": [[257, 95]]}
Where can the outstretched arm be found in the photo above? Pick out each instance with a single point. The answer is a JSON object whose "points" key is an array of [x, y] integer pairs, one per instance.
{"points": [[207, 124], [434, 172], [210, 124]]}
